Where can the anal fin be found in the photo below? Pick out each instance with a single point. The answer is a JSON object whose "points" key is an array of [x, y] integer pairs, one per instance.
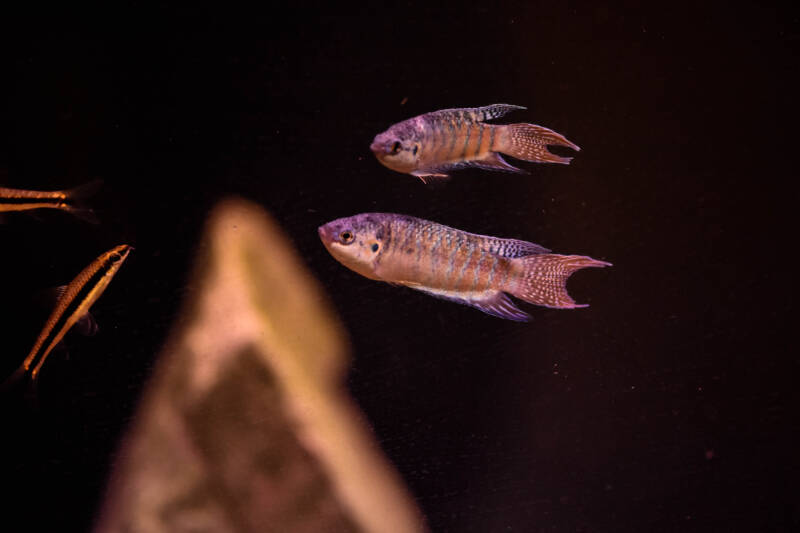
{"points": [[495, 303], [495, 161], [500, 305]]}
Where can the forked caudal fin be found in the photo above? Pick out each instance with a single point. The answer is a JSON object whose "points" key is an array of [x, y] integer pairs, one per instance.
{"points": [[84, 213], [530, 142], [77, 195], [543, 279], [81, 192]]}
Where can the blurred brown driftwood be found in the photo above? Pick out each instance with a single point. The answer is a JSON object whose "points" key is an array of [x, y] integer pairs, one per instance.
{"points": [[245, 425]]}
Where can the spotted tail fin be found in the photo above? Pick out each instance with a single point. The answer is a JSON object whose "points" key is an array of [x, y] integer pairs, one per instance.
{"points": [[543, 278], [530, 142]]}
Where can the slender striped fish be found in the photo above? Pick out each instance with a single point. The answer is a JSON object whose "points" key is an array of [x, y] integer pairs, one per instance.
{"points": [[66, 200], [470, 269], [429, 146], [72, 305]]}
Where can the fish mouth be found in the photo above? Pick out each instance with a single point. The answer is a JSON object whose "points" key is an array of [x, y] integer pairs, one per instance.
{"points": [[324, 233], [376, 147]]}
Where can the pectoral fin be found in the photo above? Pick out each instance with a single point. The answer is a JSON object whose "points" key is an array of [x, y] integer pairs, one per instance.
{"points": [[86, 325], [431, 176]]}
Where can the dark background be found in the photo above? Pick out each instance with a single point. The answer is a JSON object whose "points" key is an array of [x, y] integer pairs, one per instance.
{"points": [[668, 405]]}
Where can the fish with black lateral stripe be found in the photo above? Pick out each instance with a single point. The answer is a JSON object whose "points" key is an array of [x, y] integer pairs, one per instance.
{"points": [[72, 305], [68, 200]]}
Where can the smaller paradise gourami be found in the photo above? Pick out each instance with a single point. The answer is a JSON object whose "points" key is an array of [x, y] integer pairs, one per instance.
{"points": [[475, 270], [429, 146]]}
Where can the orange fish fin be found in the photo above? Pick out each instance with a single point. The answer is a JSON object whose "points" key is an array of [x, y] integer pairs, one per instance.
{"points": [[543, 280], [494, 161], [529, 142]]}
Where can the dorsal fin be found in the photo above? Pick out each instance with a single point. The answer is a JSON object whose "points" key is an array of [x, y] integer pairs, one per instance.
{"points": [[512, 248], [59, 291], [490, 112]]}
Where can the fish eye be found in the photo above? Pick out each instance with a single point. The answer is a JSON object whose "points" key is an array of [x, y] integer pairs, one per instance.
{"points": [[346, 237], [395, 147], [115, 257], [375, 246], [416, 147]]}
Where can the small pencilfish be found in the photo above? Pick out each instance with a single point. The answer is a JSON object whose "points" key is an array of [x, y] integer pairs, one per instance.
{"points": [[431, 145], [470, 269], [72, 305], [66, 200]]}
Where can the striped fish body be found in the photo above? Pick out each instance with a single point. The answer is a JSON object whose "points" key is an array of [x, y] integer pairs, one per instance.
{"points": [[72, 305], [430, 145], [22, 200], [472, 269], [66, 200], [440, 258]]}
